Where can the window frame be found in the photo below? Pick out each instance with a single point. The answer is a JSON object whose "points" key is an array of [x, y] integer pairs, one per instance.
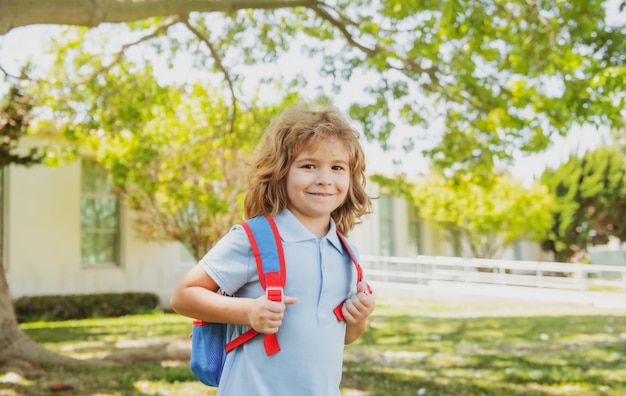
{"points": [[387, 246], [116, 231], [414, 223]]}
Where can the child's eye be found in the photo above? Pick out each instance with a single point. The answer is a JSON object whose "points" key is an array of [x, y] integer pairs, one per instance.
{"points": [[338, 168], [308, 166]]}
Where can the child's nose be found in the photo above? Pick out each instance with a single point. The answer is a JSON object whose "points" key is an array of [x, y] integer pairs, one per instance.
{"points": [[323, 177]]}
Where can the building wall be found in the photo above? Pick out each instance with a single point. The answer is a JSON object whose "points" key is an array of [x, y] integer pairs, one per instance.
{"points": [[433, 241], [42, 241]]}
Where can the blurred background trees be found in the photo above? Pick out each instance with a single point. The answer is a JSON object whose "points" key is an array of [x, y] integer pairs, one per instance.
{"points": [[590, 193]]}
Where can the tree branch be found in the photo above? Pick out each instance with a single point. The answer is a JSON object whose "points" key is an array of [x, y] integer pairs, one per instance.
{"points": [[91, 13], [411, 67], [119, 54], [218, 62]]}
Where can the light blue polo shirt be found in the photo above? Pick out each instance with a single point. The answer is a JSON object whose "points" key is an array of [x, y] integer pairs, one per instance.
{"points": [[321, 275]]}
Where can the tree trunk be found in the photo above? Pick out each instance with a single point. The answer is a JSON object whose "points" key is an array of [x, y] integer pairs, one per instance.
{"points": [[18, 353]]}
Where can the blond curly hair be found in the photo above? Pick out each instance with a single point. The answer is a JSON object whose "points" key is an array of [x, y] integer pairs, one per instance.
{"points": [[296, 130]]}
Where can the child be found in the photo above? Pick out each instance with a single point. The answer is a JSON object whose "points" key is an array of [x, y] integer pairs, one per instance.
{"points": [[310, 176]]}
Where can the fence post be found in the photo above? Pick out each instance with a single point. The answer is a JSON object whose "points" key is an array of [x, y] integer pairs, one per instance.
{"points": [[582, 273], [386, 267]]}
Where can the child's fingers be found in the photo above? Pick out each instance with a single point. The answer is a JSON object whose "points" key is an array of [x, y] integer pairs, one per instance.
{"points": [[270, 314], [346, 313], [358, 306], [363, 287], [266, 316], [366, 300], [351, 311], [277, 306]]}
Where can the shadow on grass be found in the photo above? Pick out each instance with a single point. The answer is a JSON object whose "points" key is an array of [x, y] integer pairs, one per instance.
{"points": [[119, 380], [401, 353], [539, 355], [137, 326]]}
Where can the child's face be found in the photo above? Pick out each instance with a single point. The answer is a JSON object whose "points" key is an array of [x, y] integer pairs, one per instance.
{"points": [[318, 182]]}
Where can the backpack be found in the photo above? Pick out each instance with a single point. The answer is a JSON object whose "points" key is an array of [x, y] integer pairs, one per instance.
{"points": [[209, 344]]}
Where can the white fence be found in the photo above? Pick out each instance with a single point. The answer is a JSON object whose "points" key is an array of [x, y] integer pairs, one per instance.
{"points": [[549, 275]]}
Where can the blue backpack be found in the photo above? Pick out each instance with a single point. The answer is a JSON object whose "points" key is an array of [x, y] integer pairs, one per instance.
{"points": [[209, 344]]}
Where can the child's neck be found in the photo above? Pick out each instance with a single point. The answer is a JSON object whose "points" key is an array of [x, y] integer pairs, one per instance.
{"points": [[319, 227], [320, 234], [319, 230]]}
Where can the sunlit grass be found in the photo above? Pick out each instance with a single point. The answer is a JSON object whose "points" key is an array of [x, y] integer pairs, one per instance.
{"points": [[414, 346], [498, 348]]}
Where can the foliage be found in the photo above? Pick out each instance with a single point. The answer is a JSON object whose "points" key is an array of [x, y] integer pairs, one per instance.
{"points": [[590, 192], [487, 217], [175, 152], [15, 116], [618, 138], [425, 345], [181, 172], [479, 79], [82, 306]]}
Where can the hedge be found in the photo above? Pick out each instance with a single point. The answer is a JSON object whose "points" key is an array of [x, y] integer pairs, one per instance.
{"points": [[83, 306]]}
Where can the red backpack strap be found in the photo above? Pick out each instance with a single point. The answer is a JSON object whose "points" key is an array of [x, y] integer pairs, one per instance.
{"points": [[267, 249], [359, 274]]}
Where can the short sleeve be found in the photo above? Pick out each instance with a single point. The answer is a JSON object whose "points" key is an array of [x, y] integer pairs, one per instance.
{"points": [[230, 262]]}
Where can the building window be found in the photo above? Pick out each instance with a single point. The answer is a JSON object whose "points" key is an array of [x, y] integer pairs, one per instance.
{"points": [[415, 242], [99, 216], [385, 210]]}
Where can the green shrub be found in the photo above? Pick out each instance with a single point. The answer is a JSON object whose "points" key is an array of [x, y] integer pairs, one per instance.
{"points": [[83, 306]]}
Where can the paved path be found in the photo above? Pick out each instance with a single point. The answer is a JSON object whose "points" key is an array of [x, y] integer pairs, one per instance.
{"points": [[456, 290]]}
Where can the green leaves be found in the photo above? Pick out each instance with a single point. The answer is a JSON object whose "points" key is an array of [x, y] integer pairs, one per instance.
{"points": [[15, 117], [590, 192], [510, 74], [176, 152], [183, 170], [488, 216]]}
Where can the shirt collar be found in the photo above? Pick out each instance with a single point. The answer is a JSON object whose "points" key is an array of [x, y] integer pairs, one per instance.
{"points": [[292, 230]]}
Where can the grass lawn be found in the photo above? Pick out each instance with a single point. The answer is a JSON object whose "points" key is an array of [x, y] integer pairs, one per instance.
{"points": [[415, 346]]}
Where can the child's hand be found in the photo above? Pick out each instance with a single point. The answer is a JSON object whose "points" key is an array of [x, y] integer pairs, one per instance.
{"points": [[359, 306], [266, 316]]}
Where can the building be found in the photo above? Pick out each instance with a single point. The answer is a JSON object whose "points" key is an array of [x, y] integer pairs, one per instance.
{"points": [[66, 232]]}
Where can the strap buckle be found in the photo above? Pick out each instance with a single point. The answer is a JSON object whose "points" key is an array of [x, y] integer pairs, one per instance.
{"points": [[274, 293]]}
